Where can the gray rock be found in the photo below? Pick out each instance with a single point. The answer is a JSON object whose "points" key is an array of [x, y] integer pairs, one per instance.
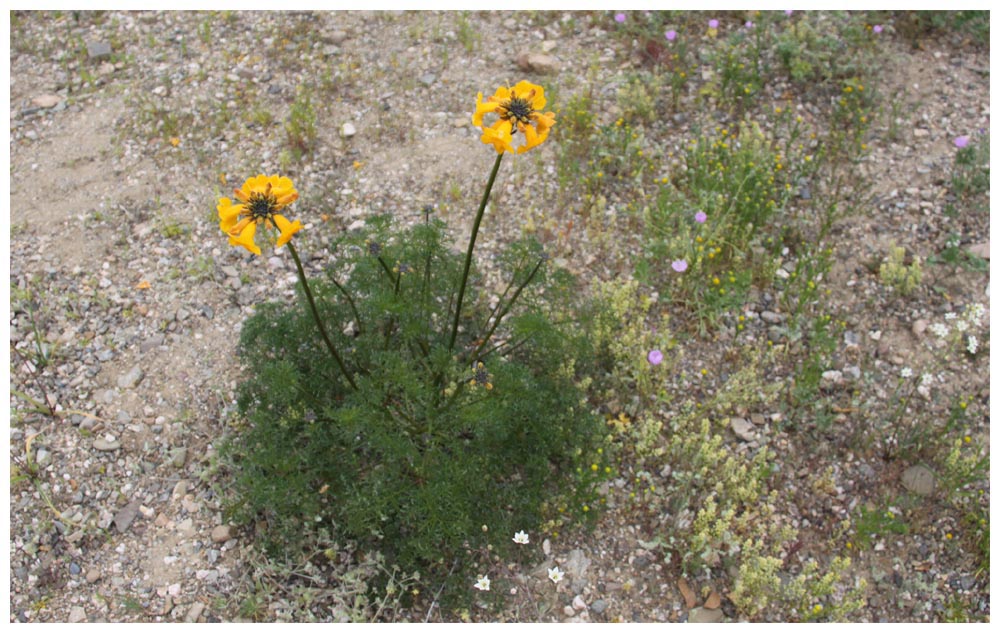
{"points": [[852, 372], [831, 378], [427, 79], [919, 480], [577, 563], [74, 568], [703, 615], [919, 327], [43, 457], [131, 378], [599, 606], [538, 63], [98, 50], [151, 343], [93, 575], [194, 612], [348, 130], [106, 445], [178, 457], [771, 317], [77, 614], [127, 515], [742, 428]]}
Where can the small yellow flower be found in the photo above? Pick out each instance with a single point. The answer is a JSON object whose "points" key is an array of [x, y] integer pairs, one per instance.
{"points": [[520, 110], [260, 198]]}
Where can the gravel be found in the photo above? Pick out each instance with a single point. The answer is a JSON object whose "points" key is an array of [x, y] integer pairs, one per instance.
{"points": [[138, 301]]}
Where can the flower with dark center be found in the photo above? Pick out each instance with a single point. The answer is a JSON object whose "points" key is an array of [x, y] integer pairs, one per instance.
{"points": [[260, 199], [519, 110], [481, 377]]}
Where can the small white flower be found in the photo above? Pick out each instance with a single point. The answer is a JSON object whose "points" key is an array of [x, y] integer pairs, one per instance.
{"points": [[483, 584], [521, 538], [950, 316], [961, 325], [906, 372], [555, 575], [940, 329], [973, 344], [926, 379]]}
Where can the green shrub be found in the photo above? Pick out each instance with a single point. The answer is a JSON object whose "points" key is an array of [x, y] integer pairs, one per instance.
{"points": [[434, 442], [300, 127], [739, 182]]}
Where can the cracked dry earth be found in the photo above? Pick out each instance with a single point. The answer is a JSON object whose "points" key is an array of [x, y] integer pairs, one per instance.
{"points": [[127, 126]]}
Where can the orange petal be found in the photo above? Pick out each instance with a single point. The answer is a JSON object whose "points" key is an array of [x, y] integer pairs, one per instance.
{"points": [[286, 199], [245, 238], [288, 229]]}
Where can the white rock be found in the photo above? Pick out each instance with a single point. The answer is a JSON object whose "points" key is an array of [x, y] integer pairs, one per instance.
{"points": [[742, 428]]}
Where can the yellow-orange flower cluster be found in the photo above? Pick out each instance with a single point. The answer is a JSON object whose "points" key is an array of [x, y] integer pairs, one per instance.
{"points": [[260, 198], [520, 110]]}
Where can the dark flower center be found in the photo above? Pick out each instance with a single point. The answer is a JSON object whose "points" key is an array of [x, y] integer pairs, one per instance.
{"points": [[261, 205], [517, 109], [480, 375]]}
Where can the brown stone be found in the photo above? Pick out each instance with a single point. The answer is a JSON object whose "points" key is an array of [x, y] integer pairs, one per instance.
{"points": [[687, 592]]}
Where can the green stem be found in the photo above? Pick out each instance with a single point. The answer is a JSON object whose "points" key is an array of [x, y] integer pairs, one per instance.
{"points": [[472, 245], [506, 309], [319, 322], [354, 308]]}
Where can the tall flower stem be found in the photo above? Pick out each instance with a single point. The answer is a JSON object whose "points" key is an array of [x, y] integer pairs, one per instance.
{"points": [[506, 309], [472, 245], [319, 322]]}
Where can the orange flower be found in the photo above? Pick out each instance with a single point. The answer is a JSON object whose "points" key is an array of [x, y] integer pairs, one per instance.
{"points": [[520, 110], [260, 198]]}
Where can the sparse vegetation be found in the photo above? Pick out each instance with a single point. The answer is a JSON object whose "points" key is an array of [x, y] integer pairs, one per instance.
{"points": [[751, 268]]}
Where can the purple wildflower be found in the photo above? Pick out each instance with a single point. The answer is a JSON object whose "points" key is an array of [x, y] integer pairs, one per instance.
{"points": [[713, 24], [749, 24], [679, 265], [619, 17], [877, 28], [700, 217], [671, 35], [789, 12], [655, 357], [961, 141]]}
